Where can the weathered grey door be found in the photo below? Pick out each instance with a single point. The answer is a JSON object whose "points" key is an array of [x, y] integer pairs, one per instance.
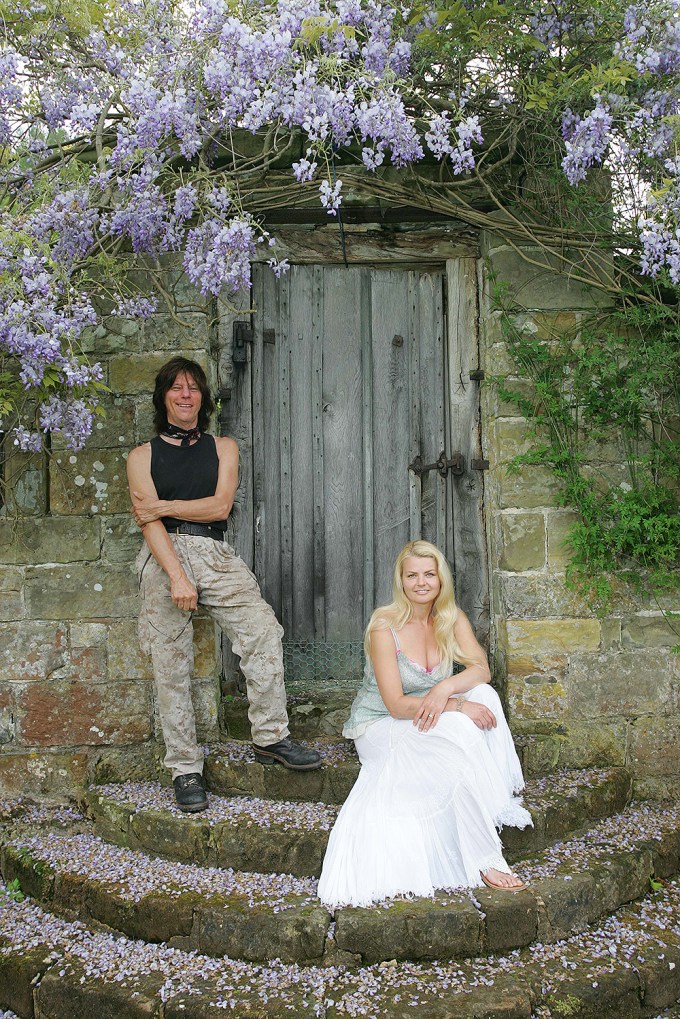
{"points": [[344, 383]]}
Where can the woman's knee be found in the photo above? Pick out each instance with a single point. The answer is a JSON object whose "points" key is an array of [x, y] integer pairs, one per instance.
{"points": [[486, 695]]}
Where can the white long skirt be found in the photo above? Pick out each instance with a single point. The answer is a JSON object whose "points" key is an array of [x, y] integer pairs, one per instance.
{"points": [[424, 810]]}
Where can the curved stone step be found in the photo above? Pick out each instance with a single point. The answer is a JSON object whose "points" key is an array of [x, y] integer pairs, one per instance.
{"points": [[231, 770], [625, 967], [256, 916], [250, 833]]}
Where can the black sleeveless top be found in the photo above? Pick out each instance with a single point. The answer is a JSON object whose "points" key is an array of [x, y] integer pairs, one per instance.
{"points": [[185, 472]]}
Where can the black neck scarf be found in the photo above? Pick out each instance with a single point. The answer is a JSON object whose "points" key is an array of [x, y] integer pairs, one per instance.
{"points": [[187, 435]]}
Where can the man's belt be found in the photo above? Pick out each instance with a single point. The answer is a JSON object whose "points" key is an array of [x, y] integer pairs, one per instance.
{"points": [[198, 530]]}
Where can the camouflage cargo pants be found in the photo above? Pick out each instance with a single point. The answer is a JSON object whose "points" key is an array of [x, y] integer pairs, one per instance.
{"points": [[229, 591]]}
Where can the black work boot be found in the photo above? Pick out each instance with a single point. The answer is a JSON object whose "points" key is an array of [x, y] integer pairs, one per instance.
{"points": [[289, 754], [190, 792]]}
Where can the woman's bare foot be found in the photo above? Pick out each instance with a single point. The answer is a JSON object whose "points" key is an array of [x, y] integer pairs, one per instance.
{"points": [[493, 878]]}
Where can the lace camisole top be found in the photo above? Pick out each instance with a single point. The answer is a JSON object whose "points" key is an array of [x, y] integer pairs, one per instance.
{"points": [[368, 705]]}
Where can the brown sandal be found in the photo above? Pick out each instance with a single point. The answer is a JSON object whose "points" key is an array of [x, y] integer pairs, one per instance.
{"points": [[521, 887]]}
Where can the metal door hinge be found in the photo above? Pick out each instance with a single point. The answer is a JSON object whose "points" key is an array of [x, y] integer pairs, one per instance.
{"points": [[242, 334]]}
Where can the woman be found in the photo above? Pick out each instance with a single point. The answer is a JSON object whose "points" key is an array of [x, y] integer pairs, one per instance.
{"points": [[439, 768]]}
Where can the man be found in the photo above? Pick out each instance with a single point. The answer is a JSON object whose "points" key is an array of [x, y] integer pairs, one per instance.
{"points": [[182, 485]]}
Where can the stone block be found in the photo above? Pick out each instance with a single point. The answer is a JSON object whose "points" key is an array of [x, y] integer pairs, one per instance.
{"points": [[159, 833], [25, 487], [206, 648], [538, 595], [593, 744], [522, 541], [11, 594], [89, 664], [122, 764], [611, 634], [656, 787], [550, 636], [558, 525], [539, 754], [263, 849], [122, 539], [41, 772], [33, 651], [619, 683], [606, 475], [569, 904], [649, 631], [72, 714], [497, 359], [20, 971], [205, 695], [544, 290], [50, 539], [536, 697], [655, 747], [529, 488], [90, 481], [125, 659], [235, 928], [413, 929], [144, 426], [159, 916], [507, 408], [88, 635], [80, 591], [70, 990], [189, 332], [546, 326], [35, 877], [510, 921], [136, 374], [7, 715], [112, 336]]}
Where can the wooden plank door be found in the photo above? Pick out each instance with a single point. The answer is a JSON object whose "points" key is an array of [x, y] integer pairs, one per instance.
{"points": [[346, 382]]}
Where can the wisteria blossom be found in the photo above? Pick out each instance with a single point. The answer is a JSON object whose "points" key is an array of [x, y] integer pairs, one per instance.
{"points": [[128, 139]]}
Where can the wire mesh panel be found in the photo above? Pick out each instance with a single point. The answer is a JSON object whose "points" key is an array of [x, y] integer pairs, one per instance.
{"points": [[315, 664]]}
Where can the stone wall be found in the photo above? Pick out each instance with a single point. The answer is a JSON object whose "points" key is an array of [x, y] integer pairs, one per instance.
{"points": [[75, 691], [587, 690], [76, 695]]}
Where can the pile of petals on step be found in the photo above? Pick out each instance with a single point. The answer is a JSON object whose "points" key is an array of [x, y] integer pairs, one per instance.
{"points": [[639, 822], [27, 810], [333, 752], [136, 876], [248, 811], [562, 783], [629, 938]]}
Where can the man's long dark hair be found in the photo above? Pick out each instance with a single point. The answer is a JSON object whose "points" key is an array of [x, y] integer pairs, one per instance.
{"points": [[165, 380]]}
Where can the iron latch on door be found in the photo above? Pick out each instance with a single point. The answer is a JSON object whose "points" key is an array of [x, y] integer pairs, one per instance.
{"points": [[454, 463]]}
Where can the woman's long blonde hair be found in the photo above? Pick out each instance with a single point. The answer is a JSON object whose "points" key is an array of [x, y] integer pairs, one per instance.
{"points": [[400, 610]]}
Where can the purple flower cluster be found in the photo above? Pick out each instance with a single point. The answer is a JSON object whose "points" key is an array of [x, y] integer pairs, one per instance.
{"points": [[218, 255], [459, 150], [586, 139], [660, 231], [652, 40]]}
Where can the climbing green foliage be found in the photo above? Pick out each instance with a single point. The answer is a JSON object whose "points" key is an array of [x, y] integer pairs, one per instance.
{"points": [[604, 412]]}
